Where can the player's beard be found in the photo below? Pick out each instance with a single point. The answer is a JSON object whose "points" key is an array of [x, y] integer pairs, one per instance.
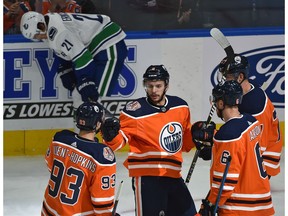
{"points": [[220, 113], [156, 101]]}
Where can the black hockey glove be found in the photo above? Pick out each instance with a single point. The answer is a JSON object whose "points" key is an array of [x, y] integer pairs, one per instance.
{"points": [[202, 134], [205, 153], [88, 90], [110, 128], [206, 208], [67, 77]]}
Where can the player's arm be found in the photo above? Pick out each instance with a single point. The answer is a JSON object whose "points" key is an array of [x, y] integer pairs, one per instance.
{"points": [[83, 64], [188, 144], [128, 126], [102, 188], [272, 154], [49, 157]]}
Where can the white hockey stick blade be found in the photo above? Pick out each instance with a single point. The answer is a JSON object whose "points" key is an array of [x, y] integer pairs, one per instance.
{"points": [[219, 37], [223, 42]]}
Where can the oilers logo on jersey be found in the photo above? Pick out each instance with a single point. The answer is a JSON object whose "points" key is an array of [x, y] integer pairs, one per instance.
{"points": [[171, 137]]}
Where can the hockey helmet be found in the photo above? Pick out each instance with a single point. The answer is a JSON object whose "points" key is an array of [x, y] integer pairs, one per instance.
{"points": [[88, 114], [239, 64], [29, 24], [156, 72], [230, 92]]}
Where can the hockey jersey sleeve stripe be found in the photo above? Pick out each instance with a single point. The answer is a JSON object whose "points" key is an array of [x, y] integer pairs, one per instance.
{"points": [[229, 175], [82, 60], [149, 154], [155, 160], [251, 195], [271, 153], [102, 199], [228, 188], [244, 208], [152, 166], [103, 211], [108, 72], [271, 159], [271, 165], [110, 31], [226, 181], [249, 201], [103, 205]]}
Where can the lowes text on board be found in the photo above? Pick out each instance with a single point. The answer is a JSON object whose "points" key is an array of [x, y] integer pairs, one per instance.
{"points": [[267, 68], [19, 86]]}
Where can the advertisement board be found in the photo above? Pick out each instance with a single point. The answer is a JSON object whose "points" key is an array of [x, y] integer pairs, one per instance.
{"points": [[35, 100]]}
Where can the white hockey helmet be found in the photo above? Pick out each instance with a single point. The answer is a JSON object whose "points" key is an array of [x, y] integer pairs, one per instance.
{"points": [[29, 24]]}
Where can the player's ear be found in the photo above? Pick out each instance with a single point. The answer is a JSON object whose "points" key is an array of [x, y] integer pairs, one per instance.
{"points": [[241, 78], [220, 104]]}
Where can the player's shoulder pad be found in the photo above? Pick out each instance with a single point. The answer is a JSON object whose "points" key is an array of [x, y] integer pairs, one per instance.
{"points": [[55, 24], [104, 154], [234, 128], [64, 136], [254, 101], [136, 107], [174, 101]]}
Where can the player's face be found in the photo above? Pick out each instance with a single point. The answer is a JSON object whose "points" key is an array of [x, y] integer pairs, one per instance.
{"points": [[156, 91]]}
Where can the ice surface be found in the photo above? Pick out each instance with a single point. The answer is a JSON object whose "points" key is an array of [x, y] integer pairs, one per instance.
{"points": [[26, 177]]}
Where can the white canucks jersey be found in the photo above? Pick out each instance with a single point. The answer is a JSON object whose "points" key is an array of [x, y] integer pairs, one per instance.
{"points": [[74, 36]]}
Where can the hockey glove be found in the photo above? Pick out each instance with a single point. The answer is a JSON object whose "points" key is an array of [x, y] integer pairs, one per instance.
{"points": [[205, 153], [202, 134], [206, 208], [110, 129], [88, 90], [68, 78]]}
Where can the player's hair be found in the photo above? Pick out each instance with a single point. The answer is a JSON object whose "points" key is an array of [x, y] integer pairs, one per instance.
{"points": [[88, 114], [156, 72], [230, 92], [239, 64]]}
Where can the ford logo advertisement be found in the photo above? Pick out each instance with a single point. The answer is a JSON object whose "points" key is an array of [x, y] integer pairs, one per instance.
{"points": [[267, 67]]}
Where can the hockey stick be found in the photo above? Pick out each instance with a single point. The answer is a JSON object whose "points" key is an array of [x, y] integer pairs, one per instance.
{"points": [[222, 184], [196, 155], [225, 44], [117, 198]]}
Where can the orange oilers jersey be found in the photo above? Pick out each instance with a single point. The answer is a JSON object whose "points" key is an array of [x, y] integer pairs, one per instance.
{"points": [[246, 190], [156, 136], [256, 103], [82, 180], [71, 7]]}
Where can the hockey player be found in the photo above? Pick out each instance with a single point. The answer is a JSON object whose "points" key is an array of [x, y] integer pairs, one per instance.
{"points": [[157, 128], [90, 47], [58, 6], [246, 189], [83, 171], [256, 103]]}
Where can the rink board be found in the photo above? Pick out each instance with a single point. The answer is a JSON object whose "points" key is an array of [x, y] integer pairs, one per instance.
{"points": [[36, 105]]}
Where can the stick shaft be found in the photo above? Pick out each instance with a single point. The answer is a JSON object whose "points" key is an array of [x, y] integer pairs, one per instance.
{"points": [[117, 198], [222, 184]]}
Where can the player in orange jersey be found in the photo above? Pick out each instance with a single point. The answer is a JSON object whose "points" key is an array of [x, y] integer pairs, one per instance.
{"points": [[157, 128], [246, 189], [57, 6], [256, 103], [83, 171]]}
